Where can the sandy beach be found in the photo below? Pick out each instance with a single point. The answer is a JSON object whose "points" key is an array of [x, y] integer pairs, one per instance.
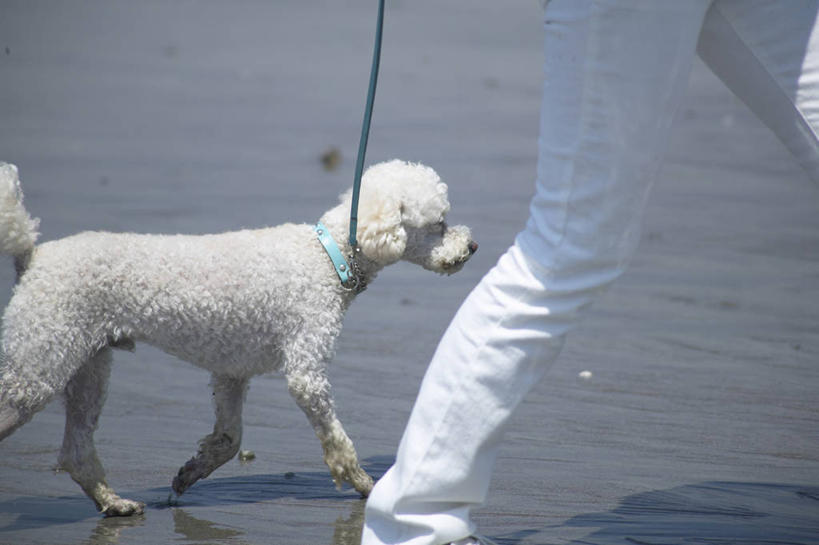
{"points": [[698, 419]]}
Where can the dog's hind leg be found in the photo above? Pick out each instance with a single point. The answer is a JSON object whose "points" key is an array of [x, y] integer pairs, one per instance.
{"points": [[41, 352], [84, 397], [220, 446], [311, 391]]}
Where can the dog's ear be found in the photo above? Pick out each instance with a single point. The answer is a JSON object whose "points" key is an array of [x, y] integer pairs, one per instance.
{"points": [[381, 236]]}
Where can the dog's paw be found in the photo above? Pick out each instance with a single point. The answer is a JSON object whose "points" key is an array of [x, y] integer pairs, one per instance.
{"points": [[188, 474], [362, 482], [124, 508]]}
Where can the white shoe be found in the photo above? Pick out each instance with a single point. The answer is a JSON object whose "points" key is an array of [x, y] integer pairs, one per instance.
{"points": [[474, 540]]}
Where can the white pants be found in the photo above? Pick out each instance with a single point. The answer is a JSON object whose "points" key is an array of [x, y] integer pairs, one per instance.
{"points": [[614, 73]]}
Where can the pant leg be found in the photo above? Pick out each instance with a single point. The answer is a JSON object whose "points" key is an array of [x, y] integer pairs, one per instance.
{"points": [[614, 74], [767, 53]]}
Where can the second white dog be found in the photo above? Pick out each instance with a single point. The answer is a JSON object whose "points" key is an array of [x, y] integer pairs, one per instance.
{"points": [[237, 304]]}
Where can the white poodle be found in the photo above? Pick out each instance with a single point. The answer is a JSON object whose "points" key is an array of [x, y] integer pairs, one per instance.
{"points": [[237, 304]]}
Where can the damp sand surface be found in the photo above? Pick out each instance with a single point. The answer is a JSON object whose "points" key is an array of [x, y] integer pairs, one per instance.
{"points": [[697, 420]]}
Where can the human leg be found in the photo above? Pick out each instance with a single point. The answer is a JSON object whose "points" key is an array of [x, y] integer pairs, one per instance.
{"points": [[767, 53], [614, 75]]}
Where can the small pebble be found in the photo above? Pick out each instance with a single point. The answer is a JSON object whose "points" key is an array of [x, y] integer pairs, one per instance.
{"points": [[246, 455], [585, 375]]}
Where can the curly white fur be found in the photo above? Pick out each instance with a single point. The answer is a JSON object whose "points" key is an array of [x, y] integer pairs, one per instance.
{"points": [[237, 304]]}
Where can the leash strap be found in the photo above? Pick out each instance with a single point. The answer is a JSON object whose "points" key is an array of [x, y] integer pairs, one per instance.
{"points": [[365, 128], [332, 249]]}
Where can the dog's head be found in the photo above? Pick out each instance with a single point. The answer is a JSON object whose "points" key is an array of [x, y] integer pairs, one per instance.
{"points": [[402, 215]]}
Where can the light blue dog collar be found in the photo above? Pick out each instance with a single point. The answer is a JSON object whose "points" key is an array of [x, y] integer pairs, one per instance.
{"points": [[330, 246]]}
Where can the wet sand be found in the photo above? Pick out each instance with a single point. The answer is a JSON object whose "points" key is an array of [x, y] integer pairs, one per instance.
{"points": [[700, 421]]}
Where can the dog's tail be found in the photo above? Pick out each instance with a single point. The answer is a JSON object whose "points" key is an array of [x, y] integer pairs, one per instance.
{"points": [[18, 230]]}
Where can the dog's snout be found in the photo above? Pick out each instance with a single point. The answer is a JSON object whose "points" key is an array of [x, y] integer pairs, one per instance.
{"points": [[473, 246]]}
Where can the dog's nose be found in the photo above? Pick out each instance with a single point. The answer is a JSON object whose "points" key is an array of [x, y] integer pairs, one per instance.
{"points": [[473, 246]]}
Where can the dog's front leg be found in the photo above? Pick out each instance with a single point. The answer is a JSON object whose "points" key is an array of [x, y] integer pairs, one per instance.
{"points": [[220, 446], [311, 391]]}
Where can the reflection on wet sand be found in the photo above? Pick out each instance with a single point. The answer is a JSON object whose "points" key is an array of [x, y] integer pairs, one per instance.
{"points": [[258, 498], [347, 530], [256, 489], [198, 530], [108, 530]]}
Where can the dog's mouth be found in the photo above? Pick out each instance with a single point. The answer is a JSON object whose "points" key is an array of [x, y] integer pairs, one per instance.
{"points": [[452, 268]]}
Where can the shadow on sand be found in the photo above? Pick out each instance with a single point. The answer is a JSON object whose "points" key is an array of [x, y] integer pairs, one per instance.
{"points": [[711, 513]]}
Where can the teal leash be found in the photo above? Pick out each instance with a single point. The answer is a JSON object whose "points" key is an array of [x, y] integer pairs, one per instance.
{"points": [[365, 127], [347, 269]]}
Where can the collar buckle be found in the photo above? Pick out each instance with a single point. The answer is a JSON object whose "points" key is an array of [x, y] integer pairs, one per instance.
{"points": [[346, 269]]}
